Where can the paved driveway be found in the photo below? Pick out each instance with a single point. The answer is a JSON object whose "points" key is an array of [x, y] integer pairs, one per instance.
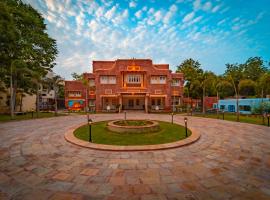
{"points": [[230, 161]]}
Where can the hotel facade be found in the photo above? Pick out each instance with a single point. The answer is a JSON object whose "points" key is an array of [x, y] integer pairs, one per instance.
{"points": [[126, 84]]}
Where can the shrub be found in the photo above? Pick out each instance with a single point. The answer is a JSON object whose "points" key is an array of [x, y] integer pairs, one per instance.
{"points": [[263, 107]]}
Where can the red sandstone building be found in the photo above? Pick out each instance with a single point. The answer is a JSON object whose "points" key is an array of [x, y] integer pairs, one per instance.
{"points": [[126, 84]]}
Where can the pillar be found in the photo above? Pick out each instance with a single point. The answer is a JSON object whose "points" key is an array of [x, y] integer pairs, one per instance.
{"points": [[146, 104], [120, 103]]}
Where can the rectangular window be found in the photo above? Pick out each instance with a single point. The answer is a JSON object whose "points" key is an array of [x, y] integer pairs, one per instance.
{"points": [[91, 102], [245, 108], [133, 78], [175, 82], [75, 94], [112, 80], [158, 79], [108, 79], [222, 107], [91, 82]]}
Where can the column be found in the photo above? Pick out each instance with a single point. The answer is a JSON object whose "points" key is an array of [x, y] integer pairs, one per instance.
{"points": [[120, 103], [146, 104]]}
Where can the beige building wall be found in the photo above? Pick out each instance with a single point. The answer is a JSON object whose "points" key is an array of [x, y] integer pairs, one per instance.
{"points": [[29, 103]]}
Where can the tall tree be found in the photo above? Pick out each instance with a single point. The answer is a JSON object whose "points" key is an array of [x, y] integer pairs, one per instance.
{"points": [[24, 44], [206, 82], [263, 86], [247, 87], [234, 74], [192, 71], [254, 68]]}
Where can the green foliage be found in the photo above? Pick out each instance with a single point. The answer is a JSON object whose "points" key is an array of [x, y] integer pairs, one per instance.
{"points": [[193, 72], [25, 47], [263, 84], [263, 107], [247, 87], [254, 68], [76, 76]]}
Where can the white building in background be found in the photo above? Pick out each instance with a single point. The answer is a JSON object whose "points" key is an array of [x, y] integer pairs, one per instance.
{"points": [[29, 101]]}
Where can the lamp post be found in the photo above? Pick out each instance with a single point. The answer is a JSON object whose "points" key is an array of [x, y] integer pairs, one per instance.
{"points": [[223, 112], [90, 127], [185, 119], [172, 116], [268, 116], [125, 112]]}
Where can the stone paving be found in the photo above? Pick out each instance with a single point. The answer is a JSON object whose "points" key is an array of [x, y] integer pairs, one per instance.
{"points": [[230, 161]]}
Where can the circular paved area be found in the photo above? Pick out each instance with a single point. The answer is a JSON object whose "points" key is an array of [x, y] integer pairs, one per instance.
{"points": [[230, 161]]}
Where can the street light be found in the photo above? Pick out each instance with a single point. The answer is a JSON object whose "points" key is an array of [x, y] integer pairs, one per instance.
{"points": [[172, 116], [90, 127], [185, 119], [268, 116], [125, 112]]}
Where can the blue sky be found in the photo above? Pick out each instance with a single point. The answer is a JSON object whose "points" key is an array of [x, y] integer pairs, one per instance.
{"points": [[214, 32]]}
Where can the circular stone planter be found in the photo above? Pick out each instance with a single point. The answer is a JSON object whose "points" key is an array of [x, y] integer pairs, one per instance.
{"points": [[151, 126], [70, 137]]}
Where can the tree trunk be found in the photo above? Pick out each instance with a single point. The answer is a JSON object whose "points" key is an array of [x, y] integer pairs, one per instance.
{"points": [[37, 101], [262, 110], [55, 102], [237, 106], [217, 105], [14, 94], [11, 105], [203, 106], [237, 100]]}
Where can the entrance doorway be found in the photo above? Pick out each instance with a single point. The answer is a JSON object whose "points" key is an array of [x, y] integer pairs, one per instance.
{"points": [[131, 102]]}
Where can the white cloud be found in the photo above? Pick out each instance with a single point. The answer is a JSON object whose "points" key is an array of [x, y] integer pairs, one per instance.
{"points": [[138, 14], [189, 17], [207, 6], [158, 16], [170, 14], [221, 22], [216, 8], [101, 30], [110, 13], [144, 8], [150, 11], [120, 17], [99, 12], [197, 4], [132, 4], [50, 4]]}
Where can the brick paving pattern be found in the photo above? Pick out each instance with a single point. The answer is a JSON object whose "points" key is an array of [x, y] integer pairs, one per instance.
{"points": [[230, 161]]}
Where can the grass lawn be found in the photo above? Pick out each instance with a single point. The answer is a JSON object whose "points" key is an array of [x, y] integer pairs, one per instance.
{"points": [[5, 118], [232, 117], [101, 135]]}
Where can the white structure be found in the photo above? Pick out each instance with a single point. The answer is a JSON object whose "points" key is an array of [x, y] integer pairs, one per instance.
{"points": [[245, 105]]}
